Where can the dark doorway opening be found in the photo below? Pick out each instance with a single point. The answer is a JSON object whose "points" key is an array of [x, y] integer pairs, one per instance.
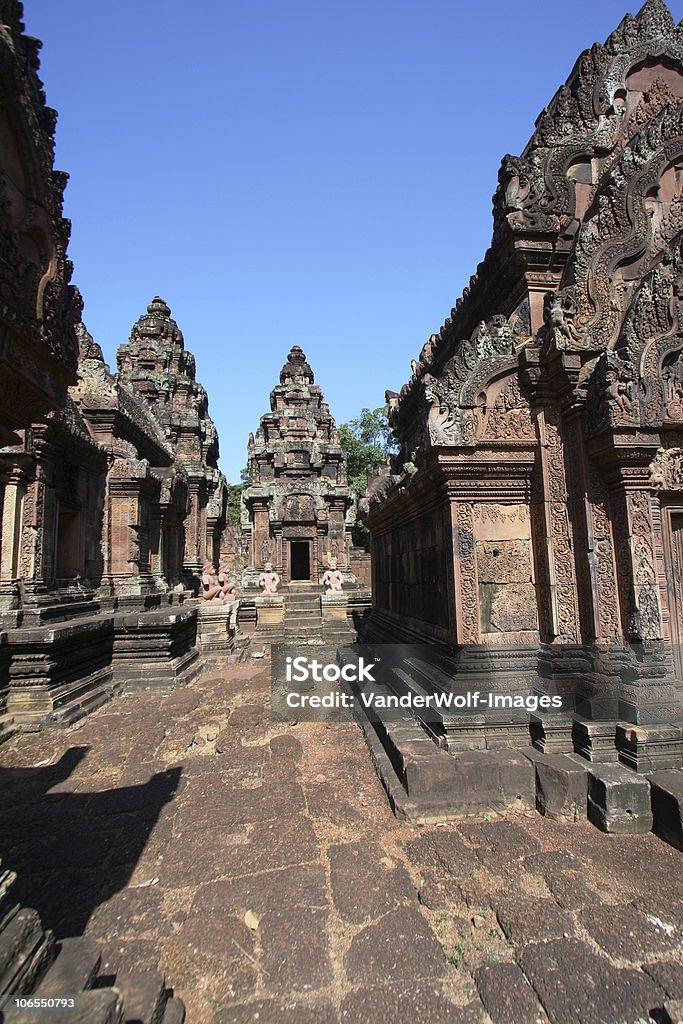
{"points": [[69, 554], [300, 553]]}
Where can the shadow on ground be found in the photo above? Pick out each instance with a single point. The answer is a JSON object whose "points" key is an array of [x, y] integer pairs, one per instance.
{"points": [[71, 849]]}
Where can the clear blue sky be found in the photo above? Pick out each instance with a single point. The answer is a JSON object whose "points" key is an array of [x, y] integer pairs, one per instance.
{"points": [[293, 172]]}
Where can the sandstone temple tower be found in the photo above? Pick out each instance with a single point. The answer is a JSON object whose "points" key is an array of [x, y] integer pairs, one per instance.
{"points": [[297, 505], [538, 495], [155, 365]]}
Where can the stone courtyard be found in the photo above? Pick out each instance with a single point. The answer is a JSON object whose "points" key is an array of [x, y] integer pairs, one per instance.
{"points": [[259, 867]]}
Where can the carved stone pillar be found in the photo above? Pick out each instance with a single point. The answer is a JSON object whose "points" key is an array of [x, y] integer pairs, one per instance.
{"points": [[556, 530], [39, 526], [466, 626], [12, 487], [131, 486], [261, 535]]}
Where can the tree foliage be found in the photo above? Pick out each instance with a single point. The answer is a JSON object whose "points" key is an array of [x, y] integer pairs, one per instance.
{"points": [[367, 441], [235, 497]]}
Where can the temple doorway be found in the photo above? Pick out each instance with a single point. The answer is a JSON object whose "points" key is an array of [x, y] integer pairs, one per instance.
{"points": [[300, 560], [69, 553]]}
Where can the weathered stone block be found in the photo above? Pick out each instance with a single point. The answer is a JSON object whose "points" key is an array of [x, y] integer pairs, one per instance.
{"points": [[561, 786], [517, 779], [216, 627], [674, 1011], [666, 791], [596, 741], [551, 735], [618, 800], [156, 648], [60, 672], [507, 995], [270, 612], [649, 748], [426, 770]]}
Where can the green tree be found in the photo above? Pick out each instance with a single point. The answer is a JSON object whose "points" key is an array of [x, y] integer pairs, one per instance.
{"points": [[367, 441], [235, 497]]}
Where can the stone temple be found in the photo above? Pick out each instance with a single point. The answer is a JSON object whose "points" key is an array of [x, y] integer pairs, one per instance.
{"points": [[531, 523], [297, 505], [527, 538]]}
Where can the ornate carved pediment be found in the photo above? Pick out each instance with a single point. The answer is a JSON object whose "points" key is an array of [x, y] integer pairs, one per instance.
{"points": [[666, 470], [471, 398], [613, 90], [613, 396], [635, 214], [651, 338]]}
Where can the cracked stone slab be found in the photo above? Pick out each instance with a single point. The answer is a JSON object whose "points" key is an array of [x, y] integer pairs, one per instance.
{"points": [[438, 891], [438, 848], [570, 890], [221, 950], [237, 805], [295, 951], [668, 974], [500, 841], [399, 947], [578, 986], [527, 919], [278, 1011], [624, 932], [367, 883], [300, 885], [205, 855], [507, 995], [415, 1004]]}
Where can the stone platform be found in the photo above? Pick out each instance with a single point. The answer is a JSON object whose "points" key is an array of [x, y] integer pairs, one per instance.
{"points": [[53, 674], [259, 868], [216, 628], [427, 780]]}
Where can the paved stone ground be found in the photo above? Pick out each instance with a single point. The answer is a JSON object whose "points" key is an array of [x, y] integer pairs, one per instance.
{"points": [[259, 866]]}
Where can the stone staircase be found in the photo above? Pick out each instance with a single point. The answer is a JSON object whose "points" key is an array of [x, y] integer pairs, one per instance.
{"points": [[303, 617], [45, 981]]}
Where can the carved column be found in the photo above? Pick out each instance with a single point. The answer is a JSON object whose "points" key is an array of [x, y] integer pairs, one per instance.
{"points": [[12, 488], [39, 526], [557, 530], [637, 573], [465, 574], [261, 551]]}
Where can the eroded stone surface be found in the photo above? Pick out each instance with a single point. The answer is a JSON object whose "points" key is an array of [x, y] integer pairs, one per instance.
{"points": [[273, 875]]}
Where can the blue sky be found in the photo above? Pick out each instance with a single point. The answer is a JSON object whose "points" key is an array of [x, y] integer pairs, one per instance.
{"points": [[293, 172]]}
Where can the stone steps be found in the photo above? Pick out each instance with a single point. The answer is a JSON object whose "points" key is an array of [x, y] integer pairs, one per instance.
{"points": [[425, 782], [303, 616], [32, 967]]}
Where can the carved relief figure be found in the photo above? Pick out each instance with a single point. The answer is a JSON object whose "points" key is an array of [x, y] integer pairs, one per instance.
{"points": [[268, 580], [227, 588], [211, 589], [333, 578]]}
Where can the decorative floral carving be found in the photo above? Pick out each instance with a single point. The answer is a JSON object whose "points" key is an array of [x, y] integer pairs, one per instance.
{"points": [[467, 574]]}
